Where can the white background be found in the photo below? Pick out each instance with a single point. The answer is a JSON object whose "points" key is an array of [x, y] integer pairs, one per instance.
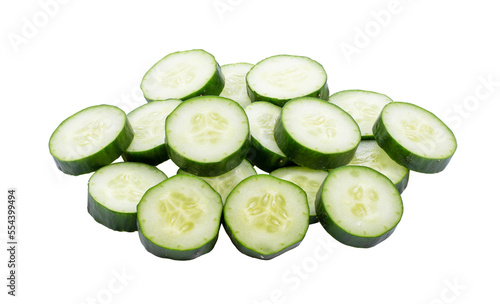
{"points": [[440, 55]]}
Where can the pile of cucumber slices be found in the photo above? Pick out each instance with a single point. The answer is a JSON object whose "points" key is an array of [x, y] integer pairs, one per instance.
{"points": [[342, 160]]}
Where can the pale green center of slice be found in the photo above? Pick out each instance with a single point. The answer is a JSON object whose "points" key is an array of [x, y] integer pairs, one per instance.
{"points": [[286, 78], [178, 76], [126, 187], [268, 213], [180, 212], [150, 125], [90, 133], [364, 200], [208, 127], [319, 125], [365, 112]]}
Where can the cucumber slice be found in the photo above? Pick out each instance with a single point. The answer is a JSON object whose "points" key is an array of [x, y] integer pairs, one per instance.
{"points": [[208, 135], [264, 152], [316, 134], [235, 87], [226, 182], [265, 216], [115, 190], [90, 139], [414, 137], [279, 78], [148, 122], [179, 218], [369, 154], [359, 206], [308, 179], [182, 75], [363, 106]]}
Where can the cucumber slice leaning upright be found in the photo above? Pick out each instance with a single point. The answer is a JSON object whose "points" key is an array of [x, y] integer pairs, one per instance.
{"points": [[316, 134], [279, 78], [207, 135], [183, 75], [363, 106], [179, 218], [148, 122], [115, 190], [90, 139], [358, 206], [265, 216], [235, 87], [414, 137]]}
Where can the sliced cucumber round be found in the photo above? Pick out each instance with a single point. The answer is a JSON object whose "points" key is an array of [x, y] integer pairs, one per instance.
{"points": [[359, 206], [226, 182], [148, 122], [90, 139], [265, 216], [235, 87], [182, 75], [264, 152], [414, 137], [316, 134], [308, 179], [115, 190], [279, 78], [369, 154], [179, 218], [363, 106], [208, 135]]}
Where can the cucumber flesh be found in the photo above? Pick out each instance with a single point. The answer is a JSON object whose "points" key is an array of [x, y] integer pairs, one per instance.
{"points": [[182, 75], [90, 139], [308, 179], [207, 135], [115, 190], [414, 137], [226, 182], [359, 206], [280, 78], [369, 154], [179, 218], [363, 106], [265, 216], [148, 122], [235, 87]]}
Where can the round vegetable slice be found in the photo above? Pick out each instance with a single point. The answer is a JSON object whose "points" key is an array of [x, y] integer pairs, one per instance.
{"points": [[90, 139], [235, 87], [279, 78], [414, 137], [207, 135], [179, 218], [363, 106], [148, 122], [308, 179], [115, 190], [265, 216], [316, 134], [359, 206], [226, 182], [264, 152], [182, 75], [369, 154]]}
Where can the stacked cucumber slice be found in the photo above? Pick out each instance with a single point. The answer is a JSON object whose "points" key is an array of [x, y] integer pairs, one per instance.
{"points": [[341, 160]]}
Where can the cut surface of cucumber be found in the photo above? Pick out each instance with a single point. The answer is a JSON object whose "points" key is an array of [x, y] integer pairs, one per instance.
{"points": [[316, 134], [369, 154], [226, 182], [90, 139], [363, 106], [182, 75], [179, 218], [235, 87], [280, 78], [264, 152], [207, 135], [115, 190], [309, 180], [359, 206], [148, 122], [414, 137], [265, 216]]}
